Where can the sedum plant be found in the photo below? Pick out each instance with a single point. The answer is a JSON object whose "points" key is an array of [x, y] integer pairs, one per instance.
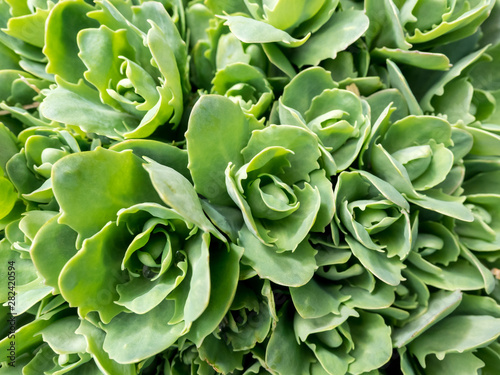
{"points": [[250, 187]]}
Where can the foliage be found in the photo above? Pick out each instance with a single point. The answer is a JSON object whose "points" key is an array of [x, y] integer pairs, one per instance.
{"points": [[250, 187]]}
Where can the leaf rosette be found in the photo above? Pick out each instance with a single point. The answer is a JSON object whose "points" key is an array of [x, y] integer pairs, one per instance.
{"points": [[406, 31], [230, 348], [278, 187], [249, 319], [443, 21], [417, 156], [129, 92], [305, 27], [245, 85], [56, 341], [213, 47], [263, 186], [341, 280], [374, 217], [339, 118], [154, 264], [339, 343], [439, 259], [282, 197]]}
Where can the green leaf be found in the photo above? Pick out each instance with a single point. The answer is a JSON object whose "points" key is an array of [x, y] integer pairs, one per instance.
{"points": [[386, 269], [437, 89], [171, 96], [235, 79], [444, 338], [372, 343], [385, 28], [89, 279], [199, 287], [29, 294], [458, 275], [343, 29], [291, 230], [151, 329], [255, 330], [485, 142], [95, 339], [455, 364], [217, 132], [441, 304], [227, 219], [78, 104], [141, 294], [286, 268], [53, 246], [303, 144], [306, 328], [29, 28], [315, 299], [43, 360], [65, 20], [27, 337], [284, 354], [91, 187], [448, 205], [279, 59], [457, 101], [177, 192], [399, 81], [8, 196], [103, 69], [161, 152], [452, 21], [419, 59], [62, 338], [327, 205], [229, 6], [8, 143], [230, 51], [224, 275], [382, 296], [8, 58], [304, 87], [220, 355], [249, 30]]}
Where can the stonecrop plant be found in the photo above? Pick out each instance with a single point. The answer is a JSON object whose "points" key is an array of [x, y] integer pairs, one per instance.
{"points": [[281, 187]]}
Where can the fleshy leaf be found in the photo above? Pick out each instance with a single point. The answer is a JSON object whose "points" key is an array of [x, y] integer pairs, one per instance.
{"points": [[217, 132], [78, 104], [441, 305], [224, 275], [420, 59], [176, 191], [104, 181], [249, 30], [95, 339], [474, 332], [53, 246], [283, 353], [343, 29], [93, 288], [125, 331], [286, 268], [65, 20]]}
